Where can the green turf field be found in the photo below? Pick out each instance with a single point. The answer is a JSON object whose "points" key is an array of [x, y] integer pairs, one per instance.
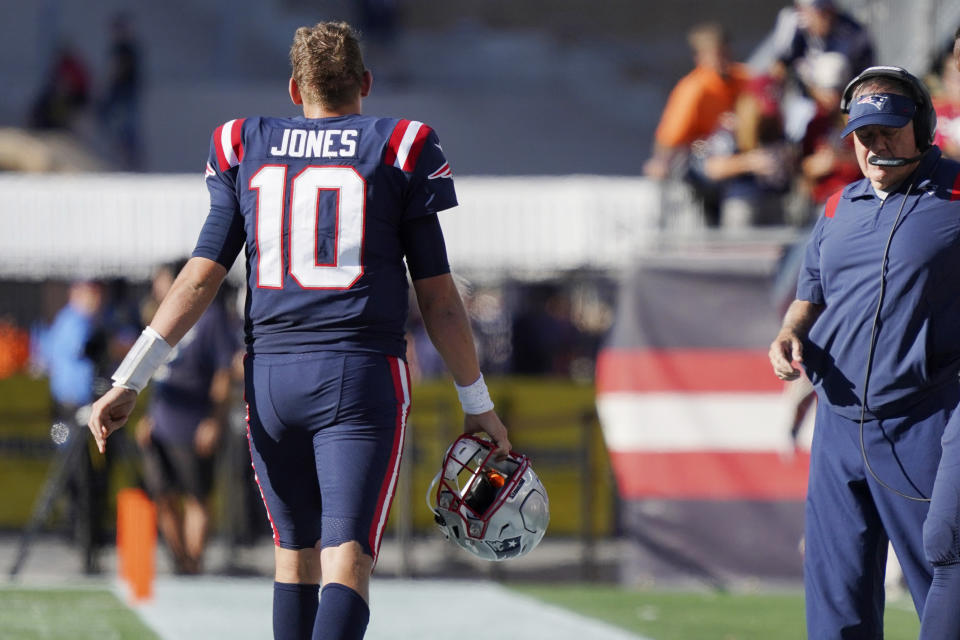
{"points": [[77, 614], [704, 616]]}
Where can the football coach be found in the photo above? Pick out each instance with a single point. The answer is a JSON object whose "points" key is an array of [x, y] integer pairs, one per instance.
{"points": [[876, 326]]}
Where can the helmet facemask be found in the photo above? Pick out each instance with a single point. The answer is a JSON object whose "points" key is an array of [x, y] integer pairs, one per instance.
{"points": [[496, 509]]}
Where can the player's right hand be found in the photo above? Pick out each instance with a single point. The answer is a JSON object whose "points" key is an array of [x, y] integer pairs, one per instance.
{"points": [[109, 413], [785, 350], [489, 422]]}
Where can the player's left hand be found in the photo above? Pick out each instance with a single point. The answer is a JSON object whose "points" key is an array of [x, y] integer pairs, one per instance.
{"points": [[489, 422], [109, 413]]}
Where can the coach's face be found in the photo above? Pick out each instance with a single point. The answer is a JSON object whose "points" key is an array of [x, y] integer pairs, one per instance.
{"points": [[885, 142]]}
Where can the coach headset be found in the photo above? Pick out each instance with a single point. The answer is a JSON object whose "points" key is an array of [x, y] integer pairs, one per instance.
{"points": [[924, 120], [924, 127]]}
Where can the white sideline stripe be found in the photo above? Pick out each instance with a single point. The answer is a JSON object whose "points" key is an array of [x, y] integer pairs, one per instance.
{"points": [[694, 421], [208, 608]]}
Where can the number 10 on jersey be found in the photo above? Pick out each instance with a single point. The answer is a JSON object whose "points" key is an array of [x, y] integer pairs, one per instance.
{"points": [[307, 189]]}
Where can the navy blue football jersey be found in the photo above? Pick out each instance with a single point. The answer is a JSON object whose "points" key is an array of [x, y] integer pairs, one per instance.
{"points": [[319, 206]]}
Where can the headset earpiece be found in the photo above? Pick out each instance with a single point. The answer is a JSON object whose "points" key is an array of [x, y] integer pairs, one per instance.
{"points": [[925, 120]]}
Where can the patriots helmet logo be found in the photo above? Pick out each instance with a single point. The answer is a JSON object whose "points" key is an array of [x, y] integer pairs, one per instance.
{"points": [[506, 548], [874, 100]]}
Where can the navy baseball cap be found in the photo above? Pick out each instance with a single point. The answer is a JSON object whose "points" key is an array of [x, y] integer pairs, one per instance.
{"points": [[885, 109]]}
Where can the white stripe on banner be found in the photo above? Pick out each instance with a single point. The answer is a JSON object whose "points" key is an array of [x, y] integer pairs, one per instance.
{"points": [[697, 421], [406, 142], [395, 472], [226, 143]]}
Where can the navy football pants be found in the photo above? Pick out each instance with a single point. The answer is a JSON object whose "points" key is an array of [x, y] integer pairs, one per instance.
{"points": [[941, 538], [851, 516], [326, 433]]}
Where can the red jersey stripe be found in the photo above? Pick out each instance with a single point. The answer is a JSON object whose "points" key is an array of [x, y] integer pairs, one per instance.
{"points": [[273, 527], [221, 156], [955, 195], [832, 202], [401, 385], [236, 140], [416, 148], [393, 145]]}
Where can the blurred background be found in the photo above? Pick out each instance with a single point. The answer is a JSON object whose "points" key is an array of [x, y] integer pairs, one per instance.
{"points": [[624, 262]]}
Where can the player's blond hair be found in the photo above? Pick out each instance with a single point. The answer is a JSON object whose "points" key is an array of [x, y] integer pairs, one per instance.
{"points": [[327, 64]]}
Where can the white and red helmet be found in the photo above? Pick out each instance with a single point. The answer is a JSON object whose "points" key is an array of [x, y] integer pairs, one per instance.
{"points": [[495, 509]]}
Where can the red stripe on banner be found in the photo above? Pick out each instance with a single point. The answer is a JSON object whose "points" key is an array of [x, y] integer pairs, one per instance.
{"points": [[388, 488], [832, 202], [218, 145], [394, 143], [711, 475], [955, 195], [685, 370], [236, 140], [416, 148]]}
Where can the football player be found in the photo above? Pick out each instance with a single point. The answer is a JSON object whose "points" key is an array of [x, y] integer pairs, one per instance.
{"points": [[327, 207]]}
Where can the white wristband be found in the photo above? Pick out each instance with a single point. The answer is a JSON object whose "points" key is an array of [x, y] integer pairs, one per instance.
{"points": [[474, 398], [147, 353]]}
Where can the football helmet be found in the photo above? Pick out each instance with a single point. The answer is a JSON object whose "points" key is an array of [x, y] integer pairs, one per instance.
{"points": [[495, 509]]}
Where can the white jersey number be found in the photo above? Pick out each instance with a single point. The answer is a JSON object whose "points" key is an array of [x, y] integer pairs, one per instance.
{"points": [[310, 185]]}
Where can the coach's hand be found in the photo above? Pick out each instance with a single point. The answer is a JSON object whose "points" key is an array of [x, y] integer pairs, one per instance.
{"points": [[786, 349], [110, 412], [489, 422]]}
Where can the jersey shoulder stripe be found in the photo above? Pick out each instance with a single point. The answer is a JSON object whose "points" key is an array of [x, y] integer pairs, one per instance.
{"points": [[831, 207], [228, 142], [405, 143]]}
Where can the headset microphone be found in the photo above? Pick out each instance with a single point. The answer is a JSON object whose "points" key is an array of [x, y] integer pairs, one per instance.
{"points": [[877, 161]]}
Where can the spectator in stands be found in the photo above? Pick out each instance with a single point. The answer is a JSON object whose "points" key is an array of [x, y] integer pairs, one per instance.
{"points": [[749, 160], [956, 49], [380, 24], [70, 352], [120, 108], [187, 414], [491, 322], [946, 102], [828, 162], [820, 26], [65, 92], [545, 340], [813, 27], [694, 107]]}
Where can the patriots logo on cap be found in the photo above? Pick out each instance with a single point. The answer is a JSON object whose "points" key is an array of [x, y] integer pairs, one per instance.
{"points": [[875, 100]]}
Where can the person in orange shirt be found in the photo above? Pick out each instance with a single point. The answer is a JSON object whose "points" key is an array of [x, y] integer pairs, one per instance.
{"points": [[696, 103]]}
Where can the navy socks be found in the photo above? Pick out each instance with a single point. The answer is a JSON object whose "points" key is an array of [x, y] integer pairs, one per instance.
{"points": [[294, 610], [343, 614]]}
